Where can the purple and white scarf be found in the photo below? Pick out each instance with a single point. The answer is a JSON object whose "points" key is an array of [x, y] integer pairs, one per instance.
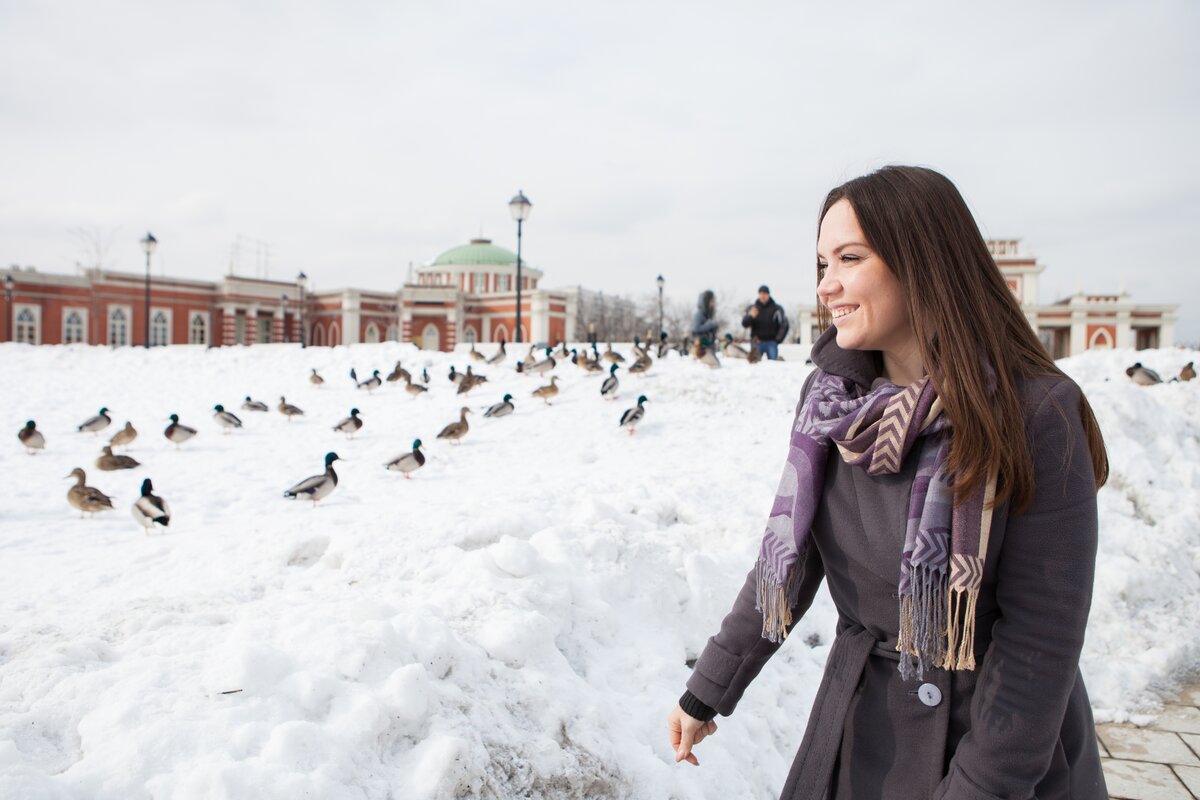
{"points": [[941, 567]]}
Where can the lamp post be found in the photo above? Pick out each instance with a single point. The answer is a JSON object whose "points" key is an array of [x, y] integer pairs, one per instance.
{"points": [[8, 303], [301, 280], [283, 324], [660, 283], [519, 206], [148, 244]]}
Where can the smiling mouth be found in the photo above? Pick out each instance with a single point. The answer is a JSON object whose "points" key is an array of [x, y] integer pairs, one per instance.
{"points": [[843, 311]]}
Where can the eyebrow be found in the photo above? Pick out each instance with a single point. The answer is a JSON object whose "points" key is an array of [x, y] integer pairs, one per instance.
{"points": [[840, 248]]}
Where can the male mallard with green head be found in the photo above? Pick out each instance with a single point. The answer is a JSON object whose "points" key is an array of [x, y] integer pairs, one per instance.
{"points": [[31, 437], [317, 486], [409, 462], [177, 432], [96, 423], [226, 419], [633, 416], [253, 405], [501, 409], [611, 384], [150, 509], [350, 425]]}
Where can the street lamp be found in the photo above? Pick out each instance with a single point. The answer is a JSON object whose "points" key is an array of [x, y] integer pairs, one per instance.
{"points": [[148, 244], [301, 280], [8, 302], [283, 324], [660, 283], [519, 206]]}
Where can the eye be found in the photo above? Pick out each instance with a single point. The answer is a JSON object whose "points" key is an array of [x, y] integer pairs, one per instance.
{"points": [[850, 257]]}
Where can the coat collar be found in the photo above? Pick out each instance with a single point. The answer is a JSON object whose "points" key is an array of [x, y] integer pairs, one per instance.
{"points": [[861, 366]]}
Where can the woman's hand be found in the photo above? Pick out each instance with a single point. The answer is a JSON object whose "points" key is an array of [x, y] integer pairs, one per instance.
{"points": [[686, 731]]}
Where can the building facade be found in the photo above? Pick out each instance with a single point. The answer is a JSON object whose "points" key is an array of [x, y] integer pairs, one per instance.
{"points": [[467, 293]]}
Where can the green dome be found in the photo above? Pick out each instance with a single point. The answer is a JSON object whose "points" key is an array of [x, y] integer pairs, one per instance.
{"points": [[478, 252]]}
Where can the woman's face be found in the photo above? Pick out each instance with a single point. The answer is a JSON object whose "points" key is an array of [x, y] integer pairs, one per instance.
{"points": [[864, 296]]}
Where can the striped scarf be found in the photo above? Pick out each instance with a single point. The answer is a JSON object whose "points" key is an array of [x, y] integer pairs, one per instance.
{"points": [[941, 567]]}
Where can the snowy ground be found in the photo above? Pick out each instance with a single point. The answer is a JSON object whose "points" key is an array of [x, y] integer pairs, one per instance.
{"points": [[515, 621]]}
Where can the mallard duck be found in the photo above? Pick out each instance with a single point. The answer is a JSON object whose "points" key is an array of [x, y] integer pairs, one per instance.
{"points": [[414, 389], [546, 392], [253, 405], [317, 486], [469, 381], [633, 416], [1143, 376], [96, 423], [125, 436], [409, 462], [613, 355], [108, 462], [289, 410], [177, 432], [372, 383], [563, 352], [86, 498], [545, 365], [475, 354], [639, 367], [350, 425], [592, 366], [455, 376], [1188, 372], [424, 376], [398, 373], [31, 437], [226, 419], [315, 379], [705, 354], [150, 509], [456, 430], [499, 356], [501, 409], [611, 384], [664, 346], [731, 349]]}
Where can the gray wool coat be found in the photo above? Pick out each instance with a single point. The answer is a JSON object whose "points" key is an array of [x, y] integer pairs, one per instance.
{"points": [[1018, 727]]}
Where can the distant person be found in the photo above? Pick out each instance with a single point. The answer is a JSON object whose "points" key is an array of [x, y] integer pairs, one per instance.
{"points": [[704, 323], [768, 322]]}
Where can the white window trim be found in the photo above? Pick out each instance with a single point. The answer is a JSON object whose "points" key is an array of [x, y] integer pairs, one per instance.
{"points": [[371, 326], [36, 312], [82, 311], [169, 314], [204, 317], [108, 326]]}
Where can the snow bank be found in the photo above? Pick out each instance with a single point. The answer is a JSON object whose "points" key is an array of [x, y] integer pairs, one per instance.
{"points": [[515, 621]]}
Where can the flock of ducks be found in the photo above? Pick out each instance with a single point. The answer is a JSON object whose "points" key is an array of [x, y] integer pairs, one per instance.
{"points": [[1144, 376], [150, 510]]}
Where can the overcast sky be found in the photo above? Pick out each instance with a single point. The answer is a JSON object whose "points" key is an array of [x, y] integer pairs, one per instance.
{"points": [[694, 139]]}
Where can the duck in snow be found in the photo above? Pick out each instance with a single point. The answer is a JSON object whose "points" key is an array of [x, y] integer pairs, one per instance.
{"points": [[499, 356], [424, 376], [1143, 376], [109, 462], [317, 486], [469, 381], [1188, 372], [289, 410], [125, 436], [545, 365], [501, 409], [611, 384], [455, 376], [31, 437], [226, 419], [253, 405], [350, 425], [456, 430], [475, 354], [177, 432], [731, 349], [97, 423], [705, 354], [613, 355], [150, 509], [409, 462], [755, 355], [548, 391], [86, 498], [372, 383], [414, 389], [315, 379], [633, 416], [398, 373]]}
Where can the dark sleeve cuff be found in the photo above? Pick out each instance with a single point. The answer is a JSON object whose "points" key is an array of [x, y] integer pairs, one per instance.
{"points": [[692, 706]]}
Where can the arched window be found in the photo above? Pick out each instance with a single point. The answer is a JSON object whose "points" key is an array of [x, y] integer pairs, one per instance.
{"points": [[469, 334], [430, 338], [318, 336], [26, 327], [73, 328], [118, 328], [499, 334], [1101, 340], [160, 329], [198, 330], [372, 335], [335, 335], [393, 333]]}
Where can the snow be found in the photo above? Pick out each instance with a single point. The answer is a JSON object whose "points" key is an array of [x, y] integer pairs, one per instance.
{"points": [[514, 621]]}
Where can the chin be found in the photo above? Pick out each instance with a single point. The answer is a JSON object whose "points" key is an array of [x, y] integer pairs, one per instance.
{"points": [[849, 340]]}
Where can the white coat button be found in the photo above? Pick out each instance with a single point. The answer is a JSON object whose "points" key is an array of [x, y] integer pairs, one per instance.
{"points": [[930, 695]]}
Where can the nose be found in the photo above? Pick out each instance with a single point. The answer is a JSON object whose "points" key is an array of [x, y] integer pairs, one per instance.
{"points": [[828, 286]]}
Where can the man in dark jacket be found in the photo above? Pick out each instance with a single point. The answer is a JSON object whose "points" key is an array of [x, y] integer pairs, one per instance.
{"points": [[767, 322]]}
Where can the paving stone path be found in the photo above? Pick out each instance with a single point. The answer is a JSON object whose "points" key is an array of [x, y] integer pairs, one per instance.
{"points": [[1160, 761]]}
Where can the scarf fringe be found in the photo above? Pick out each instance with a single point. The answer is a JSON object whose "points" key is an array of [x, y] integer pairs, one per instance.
{"points": [[775, 599], [937, 628]]}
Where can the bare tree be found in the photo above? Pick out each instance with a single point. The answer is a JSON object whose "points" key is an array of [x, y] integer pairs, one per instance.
{"points": [[95, 244]]}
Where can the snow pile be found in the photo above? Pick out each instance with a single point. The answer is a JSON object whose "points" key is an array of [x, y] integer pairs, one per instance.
{"points": [[515, 621]]}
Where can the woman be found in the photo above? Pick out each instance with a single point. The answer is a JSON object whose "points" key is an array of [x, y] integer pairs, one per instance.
{"points": [[942, 476], [704, 323]]}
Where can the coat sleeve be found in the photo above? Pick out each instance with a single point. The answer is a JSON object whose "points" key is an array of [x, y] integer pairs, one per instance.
{"points": [[783, 326], [1045, 568], [735, 655]]}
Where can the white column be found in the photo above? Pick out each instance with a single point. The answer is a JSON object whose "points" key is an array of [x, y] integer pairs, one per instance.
{"points": [[539, 317], [1125, 337], [351, 316], [1166, 334], [1078, 332]]}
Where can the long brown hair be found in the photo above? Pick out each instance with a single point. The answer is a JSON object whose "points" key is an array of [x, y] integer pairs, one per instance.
{"points": [[965, 317]]}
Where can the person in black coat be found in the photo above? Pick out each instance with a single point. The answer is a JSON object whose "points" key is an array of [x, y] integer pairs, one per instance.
{"points": [[767, 322]]}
